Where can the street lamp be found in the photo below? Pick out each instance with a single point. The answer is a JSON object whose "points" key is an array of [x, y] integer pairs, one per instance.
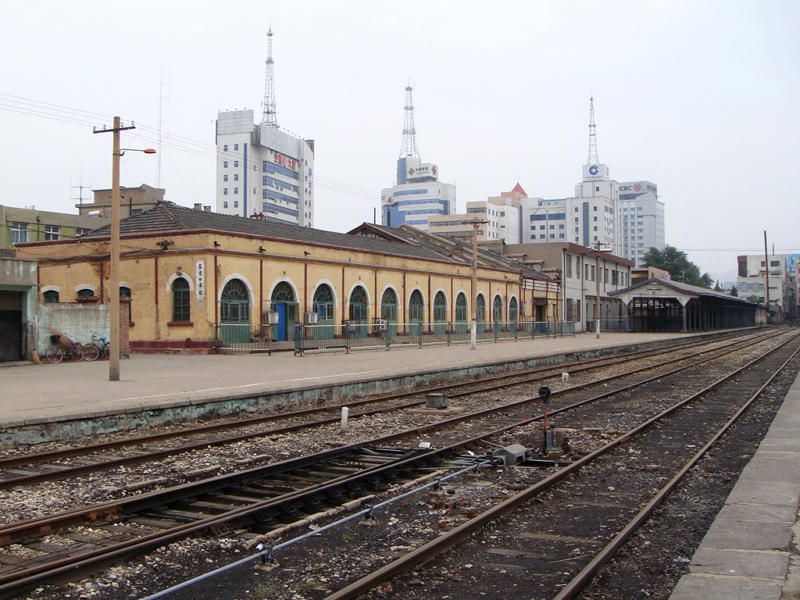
{"points": [[114, 333]]}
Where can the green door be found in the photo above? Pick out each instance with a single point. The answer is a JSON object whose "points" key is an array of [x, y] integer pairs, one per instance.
{"points": [[234, 310], [416, 313]]}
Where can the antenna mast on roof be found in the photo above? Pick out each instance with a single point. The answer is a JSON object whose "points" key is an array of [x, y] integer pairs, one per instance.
{"points": [[270, 114], [409, 145], [592, 159]]}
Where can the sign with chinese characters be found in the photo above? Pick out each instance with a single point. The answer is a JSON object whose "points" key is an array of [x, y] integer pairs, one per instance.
{"points": [[200, 279], [284, 161]]}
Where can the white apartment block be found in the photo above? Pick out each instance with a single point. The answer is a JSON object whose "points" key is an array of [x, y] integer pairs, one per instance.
{"points": [[498, 219], [641, 220], [751, 280], [263, 171], [588, 218]]}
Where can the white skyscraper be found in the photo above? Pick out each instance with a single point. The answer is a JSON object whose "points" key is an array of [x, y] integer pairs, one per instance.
{"points": [[261, 170], [641, 219], [588, 218]]}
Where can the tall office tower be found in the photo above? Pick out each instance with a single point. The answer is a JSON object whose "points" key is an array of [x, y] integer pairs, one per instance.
{"points": [[418, 193], [641, 219], [262, 170]]}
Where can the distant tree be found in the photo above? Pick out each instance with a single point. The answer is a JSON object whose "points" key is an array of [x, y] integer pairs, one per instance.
{"points": [[734, 291], [716, 287], [678, 265]]}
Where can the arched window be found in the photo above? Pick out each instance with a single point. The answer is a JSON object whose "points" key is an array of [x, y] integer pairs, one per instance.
{"points": [[358, 305], [416, 308], [323, 302], [86, 295], [480, 312], [389, 306], [50, 296], [497, 312], [461, 313], [283, 292], [439, 313], [180, 301], [513, 313], [416, 313]]}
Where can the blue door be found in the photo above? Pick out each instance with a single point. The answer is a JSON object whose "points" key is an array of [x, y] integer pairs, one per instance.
{"points": [[281, 328]]}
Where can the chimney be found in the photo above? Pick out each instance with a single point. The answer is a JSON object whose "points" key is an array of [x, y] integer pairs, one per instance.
{"points": [[198, 206], [207, 208]]}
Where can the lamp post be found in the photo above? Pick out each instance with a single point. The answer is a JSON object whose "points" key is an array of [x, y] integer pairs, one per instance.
{"points": [[114, 328]]}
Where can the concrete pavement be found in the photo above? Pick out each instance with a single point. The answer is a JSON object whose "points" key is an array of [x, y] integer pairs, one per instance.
{"points": [[752, 550], [45, 393]]}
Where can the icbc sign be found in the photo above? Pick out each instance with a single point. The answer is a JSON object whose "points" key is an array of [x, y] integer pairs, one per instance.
{"points": [[284, 161]]}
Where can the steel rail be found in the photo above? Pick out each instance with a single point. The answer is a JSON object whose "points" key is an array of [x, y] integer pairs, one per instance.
{"points": [[444, 542], [27, 458], [17, 530], [37, 574], [69, 471], [607, 553]]}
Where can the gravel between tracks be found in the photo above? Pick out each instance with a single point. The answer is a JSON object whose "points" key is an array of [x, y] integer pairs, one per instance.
{"points": [[311, 570]]}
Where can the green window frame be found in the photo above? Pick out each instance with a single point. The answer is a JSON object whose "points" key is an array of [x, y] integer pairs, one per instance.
{"points": [[181, 307]]}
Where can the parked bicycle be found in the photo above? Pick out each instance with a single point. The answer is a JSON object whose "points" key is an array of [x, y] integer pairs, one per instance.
{"points": [[62, 346], [101, 342]]}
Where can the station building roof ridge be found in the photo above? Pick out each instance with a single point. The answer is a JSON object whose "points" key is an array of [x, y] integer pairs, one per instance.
{"points": [[167, 217], [679, 286], [451, 248]]}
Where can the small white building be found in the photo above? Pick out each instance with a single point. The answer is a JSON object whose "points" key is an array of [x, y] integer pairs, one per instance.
{"points": [[751, 280], [498, 218]]}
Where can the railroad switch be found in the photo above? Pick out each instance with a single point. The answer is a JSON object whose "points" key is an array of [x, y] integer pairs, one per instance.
{"points": [[515, 454]]}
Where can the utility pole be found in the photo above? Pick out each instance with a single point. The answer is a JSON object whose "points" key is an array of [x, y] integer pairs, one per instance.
{"points": [[114, 334], [597, 288], [473, 335], [766, 274]]}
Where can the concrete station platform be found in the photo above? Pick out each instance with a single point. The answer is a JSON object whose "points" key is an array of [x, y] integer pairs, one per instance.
{"points": [[752, 550], [39, 396]]}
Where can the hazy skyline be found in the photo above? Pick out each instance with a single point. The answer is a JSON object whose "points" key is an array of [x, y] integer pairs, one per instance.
{"points": [[699, 98]]}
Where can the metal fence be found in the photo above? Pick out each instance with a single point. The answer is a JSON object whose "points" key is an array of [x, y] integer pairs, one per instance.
{"points": [[388, 335], [244, 337], [617, 324]]}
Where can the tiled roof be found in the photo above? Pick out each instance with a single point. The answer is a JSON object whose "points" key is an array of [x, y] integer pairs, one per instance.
{"points": [[168, 217], [452, 248], [694, 290]]}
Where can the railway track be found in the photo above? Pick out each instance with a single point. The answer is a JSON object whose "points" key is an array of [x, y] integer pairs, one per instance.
{"points": [[552, 548], [255, 500], [30, 468]]}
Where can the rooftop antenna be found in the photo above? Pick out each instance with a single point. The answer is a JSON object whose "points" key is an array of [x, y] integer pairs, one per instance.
{"points": [[270, 115], [161, 98], [409, 146], [592, 159], [80, 187]]}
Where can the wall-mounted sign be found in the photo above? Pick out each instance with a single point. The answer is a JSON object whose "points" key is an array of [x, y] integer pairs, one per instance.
{"points": [[200, 279]]}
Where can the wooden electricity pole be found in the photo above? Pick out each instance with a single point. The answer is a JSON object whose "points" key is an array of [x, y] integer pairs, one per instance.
{"points": [[114, 333]]}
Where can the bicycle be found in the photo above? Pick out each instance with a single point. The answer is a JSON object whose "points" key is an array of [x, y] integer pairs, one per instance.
{"points": [[101, 343], [62, 347]]}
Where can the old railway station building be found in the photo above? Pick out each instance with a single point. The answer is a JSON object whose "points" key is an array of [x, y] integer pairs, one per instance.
{"points": [[194, 279]]}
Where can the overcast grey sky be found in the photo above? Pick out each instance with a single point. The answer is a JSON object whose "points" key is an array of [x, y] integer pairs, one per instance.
{"points": [[701, 98]]}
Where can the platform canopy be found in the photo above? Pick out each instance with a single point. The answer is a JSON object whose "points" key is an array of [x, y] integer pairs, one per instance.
{"points": [[671, 290], [666, 305]]}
